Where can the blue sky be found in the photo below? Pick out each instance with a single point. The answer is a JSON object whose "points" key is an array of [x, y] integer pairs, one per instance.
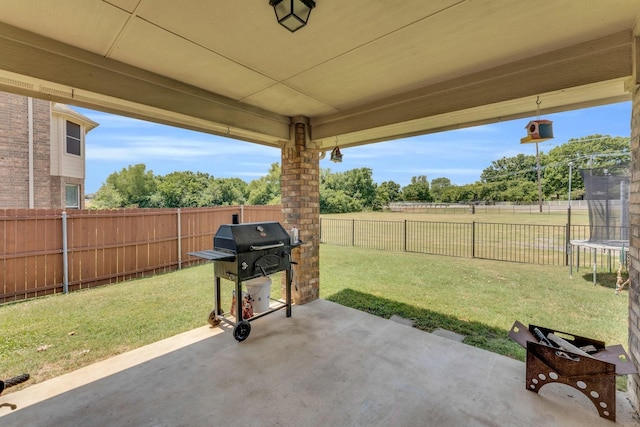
{"points": [[459, 155]]}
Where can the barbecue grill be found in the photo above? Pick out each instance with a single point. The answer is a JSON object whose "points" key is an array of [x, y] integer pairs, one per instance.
{"points": [[242, 252]]}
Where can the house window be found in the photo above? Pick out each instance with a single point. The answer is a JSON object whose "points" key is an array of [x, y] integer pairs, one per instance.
{"points": [[73, 138], [72, 196]]}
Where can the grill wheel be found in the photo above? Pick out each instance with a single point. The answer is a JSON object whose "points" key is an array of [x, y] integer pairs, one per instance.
{"points": [[213, 321], [241, 331]]}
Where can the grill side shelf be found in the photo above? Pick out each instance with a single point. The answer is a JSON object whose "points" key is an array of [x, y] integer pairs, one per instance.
{"points": [[212, 255]]}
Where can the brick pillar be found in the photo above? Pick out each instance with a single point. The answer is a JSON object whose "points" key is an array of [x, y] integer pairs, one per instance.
{"points": [[634, 251], [634, 227], [300, 189]]}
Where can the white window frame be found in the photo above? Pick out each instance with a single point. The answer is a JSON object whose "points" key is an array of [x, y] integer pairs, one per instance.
{"points": [[67, 187]]}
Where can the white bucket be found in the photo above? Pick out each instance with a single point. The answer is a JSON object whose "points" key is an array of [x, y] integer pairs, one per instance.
{"points": [[260, 291]]}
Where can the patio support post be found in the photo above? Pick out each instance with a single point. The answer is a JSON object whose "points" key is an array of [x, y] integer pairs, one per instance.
{"points": [[634, 222], [179, 224], [300, 198], [65, 255]]}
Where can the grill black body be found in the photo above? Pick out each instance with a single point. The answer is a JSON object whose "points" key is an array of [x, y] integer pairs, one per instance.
{"points": [[260, 249], [245, 251], [239, 238]]}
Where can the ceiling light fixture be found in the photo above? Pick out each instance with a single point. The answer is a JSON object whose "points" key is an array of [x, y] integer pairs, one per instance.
{"points": [[292, 14]]}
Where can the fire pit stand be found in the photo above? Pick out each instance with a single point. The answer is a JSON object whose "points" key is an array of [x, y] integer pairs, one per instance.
{"points": [[591, 371], [242, 252]]}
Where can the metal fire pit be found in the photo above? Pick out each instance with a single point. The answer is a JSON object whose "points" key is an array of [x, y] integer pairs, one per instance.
{"points": [[242, 252], [594, 376]]}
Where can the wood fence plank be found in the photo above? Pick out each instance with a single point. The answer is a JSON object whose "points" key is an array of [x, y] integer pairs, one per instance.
{"points": [[19, 246], [101, 261], [104, 246], [121, 241], [145, 226], [131, 247]]}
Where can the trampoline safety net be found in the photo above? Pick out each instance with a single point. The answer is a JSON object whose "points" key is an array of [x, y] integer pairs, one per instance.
{"points": [[607, 194]]}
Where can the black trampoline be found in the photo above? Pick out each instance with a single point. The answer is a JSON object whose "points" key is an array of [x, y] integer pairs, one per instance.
{"points": [[607, 194]]}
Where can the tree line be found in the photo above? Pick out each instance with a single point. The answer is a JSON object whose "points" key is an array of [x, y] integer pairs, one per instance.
{"points": [[513, 179], [137, 187]]}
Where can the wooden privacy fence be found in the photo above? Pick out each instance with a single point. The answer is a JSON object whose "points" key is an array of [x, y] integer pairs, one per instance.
{"points": [[105, 246]]}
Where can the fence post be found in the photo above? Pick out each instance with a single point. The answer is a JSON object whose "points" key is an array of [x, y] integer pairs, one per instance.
{"points": [[567, 246], [179, 241], [353, 232], [473, 239], [65, 254], [405, 235]]}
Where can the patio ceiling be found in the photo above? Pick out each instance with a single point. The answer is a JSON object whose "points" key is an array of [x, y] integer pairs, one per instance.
{"points": [[362, 71]]}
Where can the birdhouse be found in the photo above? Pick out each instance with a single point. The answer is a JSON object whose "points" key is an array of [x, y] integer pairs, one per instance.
{"points": [[538, 131], [336, 155]]}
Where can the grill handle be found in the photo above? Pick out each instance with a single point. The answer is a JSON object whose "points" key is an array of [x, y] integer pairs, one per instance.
{"points": [[265, 247]]}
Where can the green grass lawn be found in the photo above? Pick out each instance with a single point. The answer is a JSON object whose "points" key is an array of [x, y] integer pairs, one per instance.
{"points": [[477, 298], [49, 336]]}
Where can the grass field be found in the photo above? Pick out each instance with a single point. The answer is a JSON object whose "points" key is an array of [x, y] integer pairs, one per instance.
{"points": [[531, 238], [578, 217]]}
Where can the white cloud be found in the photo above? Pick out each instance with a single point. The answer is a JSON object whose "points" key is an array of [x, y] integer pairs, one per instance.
{"points": [[147, 147]]}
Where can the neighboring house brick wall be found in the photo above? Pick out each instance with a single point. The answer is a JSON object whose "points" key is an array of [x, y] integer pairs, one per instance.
{"points": [[53, 168], [14, 134], [43, 196]]}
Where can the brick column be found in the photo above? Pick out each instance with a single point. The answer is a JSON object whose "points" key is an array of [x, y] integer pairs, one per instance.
{"points": [[300, 189], [634, 251]]}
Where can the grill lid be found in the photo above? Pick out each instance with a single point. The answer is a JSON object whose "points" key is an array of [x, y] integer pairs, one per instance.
{"points": [[254, 236]]}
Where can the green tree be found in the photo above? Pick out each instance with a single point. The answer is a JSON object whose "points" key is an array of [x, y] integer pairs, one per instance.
{"points": [[356, 183], [510, 179], [330, 180], [462, 193], [521, 167], [134, 184], [227, 191], [493, 191], [453, 194], [349, 191], [107, 197], [265, 190], [590, 151], [337, 201], [183, 189], [438, 185], [418, 190], [521, 191], [359, 184], [386, 193]]}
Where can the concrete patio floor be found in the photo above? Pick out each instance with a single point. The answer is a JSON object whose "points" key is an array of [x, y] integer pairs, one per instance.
{"points": [[326, 365]]}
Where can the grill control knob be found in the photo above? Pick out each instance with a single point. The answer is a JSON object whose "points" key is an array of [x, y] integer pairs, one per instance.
{"points": [[244, 265]]}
